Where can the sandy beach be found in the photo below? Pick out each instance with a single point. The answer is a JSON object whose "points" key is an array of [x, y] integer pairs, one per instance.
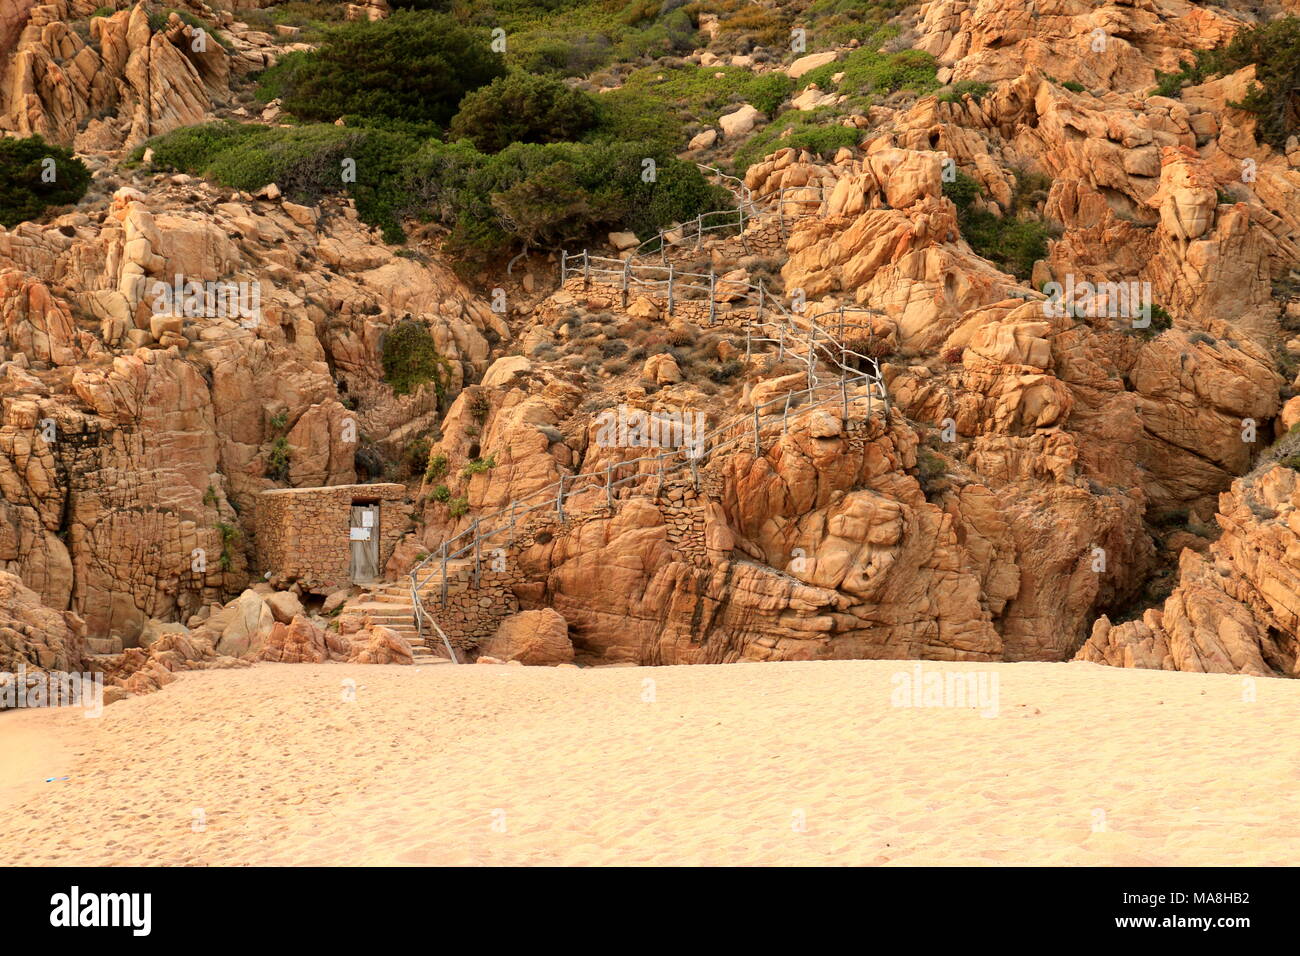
{"points": [[788, 763]]}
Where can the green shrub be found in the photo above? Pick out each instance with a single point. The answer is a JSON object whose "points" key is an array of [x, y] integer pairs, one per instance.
{"points": [[306, 162], [277, 461], [25, 167], [656, 102], [814, 130], [229, 535], [1074, 86], [441, 493], [1011, 243], [437, 468], [479, 466], [415, 456], [413, 66], [869, 73], [458, 506], [632, 116], [521, 108], [557, 194], [1274, 50], [410, 359]]}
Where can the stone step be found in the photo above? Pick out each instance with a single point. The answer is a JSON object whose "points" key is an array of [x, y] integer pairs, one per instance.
{"points": [[104, 645]]}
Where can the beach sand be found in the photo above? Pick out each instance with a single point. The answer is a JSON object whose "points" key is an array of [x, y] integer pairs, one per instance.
{"points": [[788, 763]]}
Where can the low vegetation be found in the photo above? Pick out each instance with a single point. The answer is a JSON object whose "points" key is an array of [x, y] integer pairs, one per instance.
{"points": [[1013, 241], [522, 108], [410, 360], [1274, 50], [35, 176], [412, 67]]}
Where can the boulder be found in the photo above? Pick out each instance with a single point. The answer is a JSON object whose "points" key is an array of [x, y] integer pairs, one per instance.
{"points": [[504, 369], [740, 122], [248, 629], [810, 62], [538, 638], [284, 606], [703, 140], [380, 645]]}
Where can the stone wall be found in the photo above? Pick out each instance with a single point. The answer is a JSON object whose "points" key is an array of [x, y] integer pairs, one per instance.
{"points": [[472, 611], [303, 533]]}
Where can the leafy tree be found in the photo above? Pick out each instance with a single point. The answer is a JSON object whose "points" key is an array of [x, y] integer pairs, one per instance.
{"points": [[35, 175], [410, 359], [413, 66], [1274, 50], [521, 108]]}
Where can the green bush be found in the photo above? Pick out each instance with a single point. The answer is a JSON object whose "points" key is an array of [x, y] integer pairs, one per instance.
{"points": [[25, 167], [277, 461], [441, 493], [1274, 50], [410, 359], [870, 73], [637, 116], [1012, 243], [576, 37], [437, 468], [521, 108], [543, 195], [229, 535], [557, 194], [458, 506], [816, 131], [306, 162], [479, 466], [413, 66]]}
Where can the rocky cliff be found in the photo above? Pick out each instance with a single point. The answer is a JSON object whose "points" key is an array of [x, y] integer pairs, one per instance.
{"points": [[1040, 473]]}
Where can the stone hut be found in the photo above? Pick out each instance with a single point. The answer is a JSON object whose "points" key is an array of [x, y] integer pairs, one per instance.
{"points": [[328, 538]]}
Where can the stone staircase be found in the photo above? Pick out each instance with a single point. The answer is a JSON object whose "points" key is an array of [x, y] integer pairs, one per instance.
{"points": [[388, 605]]}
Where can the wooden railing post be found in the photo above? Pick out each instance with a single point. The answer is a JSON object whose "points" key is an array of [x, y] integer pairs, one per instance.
{"points": [[758, 449], [586, 269], [812, 356], [844, 392], [609, 485], [713, 308], [564, 265], [627, 276], [477, 546], [670, 289], [444, 574], [559, 500]]}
